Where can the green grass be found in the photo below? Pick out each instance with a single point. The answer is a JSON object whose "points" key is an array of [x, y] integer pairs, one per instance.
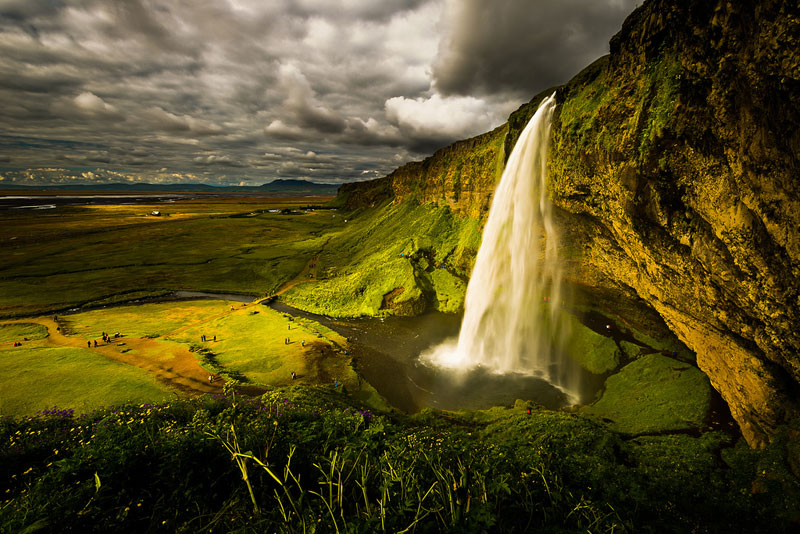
{"points": [[249, 347], [249, 342], [311, 458], [655, 394], [39, 377], [92, 257], [387, 249], [252, 345], [9, 333], [145, 320]]}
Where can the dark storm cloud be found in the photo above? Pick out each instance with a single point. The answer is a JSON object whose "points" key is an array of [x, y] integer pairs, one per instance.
{"points": [[21, 10], [520, 45], [246, 91]]}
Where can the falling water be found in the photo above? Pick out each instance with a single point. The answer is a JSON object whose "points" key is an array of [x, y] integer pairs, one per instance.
{"points": [[512, 318]]}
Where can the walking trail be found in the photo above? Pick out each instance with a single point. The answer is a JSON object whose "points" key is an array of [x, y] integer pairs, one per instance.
{"points": [[171, 364]]}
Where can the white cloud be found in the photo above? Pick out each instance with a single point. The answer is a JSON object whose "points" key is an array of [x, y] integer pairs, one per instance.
{"points": [[362, 84], [278, 128], [164, 120], [86, 105], [442, 117]]}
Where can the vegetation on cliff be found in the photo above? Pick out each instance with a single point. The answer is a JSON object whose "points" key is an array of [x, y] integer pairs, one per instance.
{"points": [[398, 258]]}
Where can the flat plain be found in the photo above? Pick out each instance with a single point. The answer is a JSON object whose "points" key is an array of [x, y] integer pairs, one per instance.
{"points": [[72, 274]]}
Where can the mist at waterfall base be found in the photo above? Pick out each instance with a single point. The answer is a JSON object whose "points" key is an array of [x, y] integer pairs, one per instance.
{"points": [[513, 334]]}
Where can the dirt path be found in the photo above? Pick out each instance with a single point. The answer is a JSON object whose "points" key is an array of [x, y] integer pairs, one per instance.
{"points": [[309, 272], [173, 365]]}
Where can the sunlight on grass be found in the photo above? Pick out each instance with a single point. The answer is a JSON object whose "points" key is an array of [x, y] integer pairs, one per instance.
{"points": [[44, 377], [146, 320]]}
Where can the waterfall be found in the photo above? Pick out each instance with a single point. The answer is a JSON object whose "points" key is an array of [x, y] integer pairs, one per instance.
{"points": [[512, 317]]}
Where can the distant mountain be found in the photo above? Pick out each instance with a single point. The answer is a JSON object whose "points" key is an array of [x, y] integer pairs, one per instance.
{"points": [[287, 187]]}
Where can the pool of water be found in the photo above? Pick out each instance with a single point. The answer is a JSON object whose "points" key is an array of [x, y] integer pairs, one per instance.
{"points": [[386, 352]]}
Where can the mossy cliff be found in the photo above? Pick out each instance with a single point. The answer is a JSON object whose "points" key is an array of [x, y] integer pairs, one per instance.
{"points": [[461, 176], [674, 168], [676, 163]]}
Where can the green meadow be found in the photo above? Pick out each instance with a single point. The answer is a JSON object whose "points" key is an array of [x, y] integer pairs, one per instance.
{"points": [[38, 376], [101, 254], [393, 259], [144, 320]]}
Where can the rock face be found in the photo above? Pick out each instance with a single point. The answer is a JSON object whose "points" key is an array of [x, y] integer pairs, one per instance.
{"points": [[461, 176], [675, 165], [681, 155]]}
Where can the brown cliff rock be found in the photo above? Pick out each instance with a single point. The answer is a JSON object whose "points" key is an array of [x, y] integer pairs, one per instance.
{"points": [[684, 149]]}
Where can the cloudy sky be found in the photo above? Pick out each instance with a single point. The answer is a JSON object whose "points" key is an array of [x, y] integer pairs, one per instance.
{"points": [[248, 91]]}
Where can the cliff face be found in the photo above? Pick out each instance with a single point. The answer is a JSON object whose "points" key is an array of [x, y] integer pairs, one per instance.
{"points": [[682, 155], [461, 176], [675, 165]]}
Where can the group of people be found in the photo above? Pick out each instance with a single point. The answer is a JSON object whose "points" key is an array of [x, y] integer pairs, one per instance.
{"points": [[106, 339], [18, 343], [204, 338]]}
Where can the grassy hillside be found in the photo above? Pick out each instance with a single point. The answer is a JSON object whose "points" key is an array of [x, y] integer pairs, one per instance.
{"points": [[396, 258]]}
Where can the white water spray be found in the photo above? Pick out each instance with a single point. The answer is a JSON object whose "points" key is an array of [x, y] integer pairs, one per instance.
{"points": [[512, 318]]}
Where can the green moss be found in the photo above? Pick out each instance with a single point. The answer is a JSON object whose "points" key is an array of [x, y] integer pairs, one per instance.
{"points": [[596, 353], [655, 394], [663, 455], [450, 291], [662, 78], [630, 350]]}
